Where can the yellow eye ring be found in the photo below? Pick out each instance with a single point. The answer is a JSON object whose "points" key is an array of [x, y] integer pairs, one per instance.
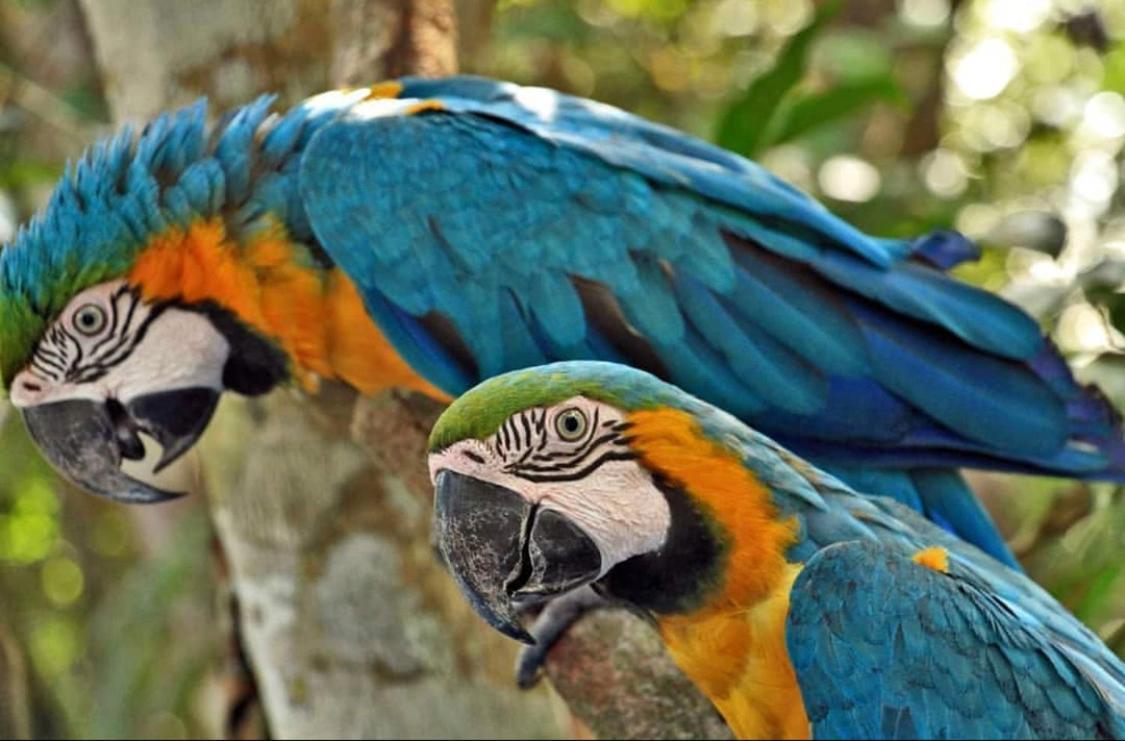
{"points": [[89, 319], [570, 424]]}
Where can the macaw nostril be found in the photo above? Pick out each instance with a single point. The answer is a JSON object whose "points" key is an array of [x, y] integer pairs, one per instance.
{"points": [[126, 431]]}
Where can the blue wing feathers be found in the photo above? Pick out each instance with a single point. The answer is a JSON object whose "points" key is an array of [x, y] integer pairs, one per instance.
{"points": [[556, 306], [978, 317], [692, 362], [938, 655], [944, 249], [526, 191], [798, 313], [761, 363], [897, 485], [419, 347], [521, 350], [652, 308], [959, 388], [703, 257]]}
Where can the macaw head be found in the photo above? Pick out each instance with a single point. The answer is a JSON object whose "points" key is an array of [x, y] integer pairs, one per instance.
{"points": [[569, 474], [132, 301]]}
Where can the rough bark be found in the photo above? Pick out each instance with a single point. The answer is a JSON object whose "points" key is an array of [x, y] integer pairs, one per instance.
{"points": [[352, 627], [322, 504]]}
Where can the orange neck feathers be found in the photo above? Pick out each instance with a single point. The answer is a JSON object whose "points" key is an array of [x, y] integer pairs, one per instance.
{"points": [[315, 315], [671, 443], [733, 645]]}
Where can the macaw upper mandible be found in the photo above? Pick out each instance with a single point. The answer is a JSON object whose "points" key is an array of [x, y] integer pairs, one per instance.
{"points": [[434, 233], [797, 605]]}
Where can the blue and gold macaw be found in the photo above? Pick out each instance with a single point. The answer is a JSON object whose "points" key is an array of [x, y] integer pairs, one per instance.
{"points": [[434, 233], [799, 606]]}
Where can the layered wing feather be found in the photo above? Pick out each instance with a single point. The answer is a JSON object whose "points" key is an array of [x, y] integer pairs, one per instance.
{"points": [[491, 227], [886, 648]]}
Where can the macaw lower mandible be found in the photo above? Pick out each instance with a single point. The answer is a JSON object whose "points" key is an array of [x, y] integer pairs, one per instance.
{"points": [[434, 233], [796, 604]]}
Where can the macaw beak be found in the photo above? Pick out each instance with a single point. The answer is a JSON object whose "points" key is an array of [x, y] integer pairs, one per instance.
{"points": [[87, 440], [505, 551]]}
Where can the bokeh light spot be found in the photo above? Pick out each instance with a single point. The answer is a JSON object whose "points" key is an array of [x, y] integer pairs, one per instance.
{"points": [[62, 581], [1020, 16], [1093, 178], [1104, 116], [985, 70], [8, 218], [1082, 328], [848, 178], [55, 645], [944, 173], [924, 13], [735, 18]]}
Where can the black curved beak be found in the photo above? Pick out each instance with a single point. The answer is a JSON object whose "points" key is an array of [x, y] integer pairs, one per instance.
{"points": [[86, 441], [504, 551]]}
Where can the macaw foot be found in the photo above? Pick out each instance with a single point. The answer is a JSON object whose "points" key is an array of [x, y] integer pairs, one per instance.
{"points": [[555, 619]]}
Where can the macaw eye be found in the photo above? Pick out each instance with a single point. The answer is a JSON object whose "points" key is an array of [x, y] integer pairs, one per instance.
{"points": [[89, 319], [571, 424]]}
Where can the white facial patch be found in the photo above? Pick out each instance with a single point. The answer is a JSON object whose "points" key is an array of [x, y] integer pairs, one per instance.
{"points": [[108, 343], [592, 479]]}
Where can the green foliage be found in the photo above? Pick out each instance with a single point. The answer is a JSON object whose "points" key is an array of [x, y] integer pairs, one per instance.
{"points": [[805, 112], [776, 108], [1114, 76], [746, 125]]}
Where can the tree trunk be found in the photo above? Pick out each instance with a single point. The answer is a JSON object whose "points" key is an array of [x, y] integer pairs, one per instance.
{"points": [[15, 707], [322, 504]]}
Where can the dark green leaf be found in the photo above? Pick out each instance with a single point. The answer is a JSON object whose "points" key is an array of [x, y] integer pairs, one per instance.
{"points": [[814, 110], [745, 125], [1113, 304]]}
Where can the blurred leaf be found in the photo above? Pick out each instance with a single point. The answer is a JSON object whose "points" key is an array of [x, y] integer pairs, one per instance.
{"points": [[1114, 76], [1099, 591], [22, 173], [1116, 309], [814, 110], [853, 54], [87, 102], [548, 22], [744, 126]]}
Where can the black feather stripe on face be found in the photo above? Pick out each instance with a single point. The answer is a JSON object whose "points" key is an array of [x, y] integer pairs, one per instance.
{"points": [[538, 455], [64, 356], [256, 363]]}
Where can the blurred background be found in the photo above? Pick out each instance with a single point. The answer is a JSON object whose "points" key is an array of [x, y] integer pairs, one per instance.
{"points": [[1002, 118]]}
